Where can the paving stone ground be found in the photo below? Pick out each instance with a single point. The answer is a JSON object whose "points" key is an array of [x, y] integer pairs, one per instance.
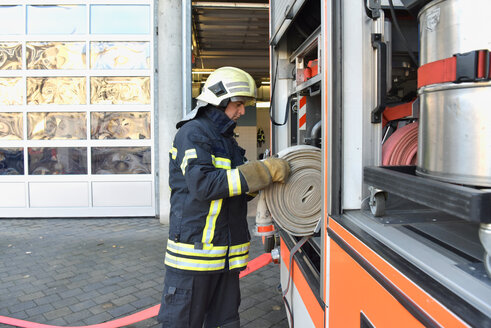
{"points": [[75, 272]]}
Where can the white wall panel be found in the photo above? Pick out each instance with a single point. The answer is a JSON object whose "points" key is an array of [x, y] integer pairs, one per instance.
{"points": [[13, 194], [58, 194], [128, 194]]}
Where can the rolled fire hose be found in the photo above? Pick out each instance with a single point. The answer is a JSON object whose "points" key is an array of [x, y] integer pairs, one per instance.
{"points": [[264, 221], [296, 205], [402, 146]]}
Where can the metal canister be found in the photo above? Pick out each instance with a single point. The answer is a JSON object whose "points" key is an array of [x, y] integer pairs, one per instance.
{"points": [[455, 118]]}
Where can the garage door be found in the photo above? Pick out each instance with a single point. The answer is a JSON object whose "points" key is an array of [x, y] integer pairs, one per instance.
{"points": [[77, 109]]}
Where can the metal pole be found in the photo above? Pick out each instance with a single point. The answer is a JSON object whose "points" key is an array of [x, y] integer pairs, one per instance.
{"points": [[186, 57], [170, 93]]}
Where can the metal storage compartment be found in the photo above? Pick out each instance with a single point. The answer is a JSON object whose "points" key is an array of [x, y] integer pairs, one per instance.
{"points": [[455, 122]]}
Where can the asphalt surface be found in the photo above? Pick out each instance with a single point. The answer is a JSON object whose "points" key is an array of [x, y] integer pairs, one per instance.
{"points": [[76, 272]]}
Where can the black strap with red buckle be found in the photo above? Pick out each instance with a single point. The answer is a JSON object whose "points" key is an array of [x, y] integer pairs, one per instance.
{"points": [[473, 66]]}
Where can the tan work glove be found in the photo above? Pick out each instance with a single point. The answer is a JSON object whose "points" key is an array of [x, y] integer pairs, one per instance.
{"points": [[256, 174], [278, 168], [260, 174]]}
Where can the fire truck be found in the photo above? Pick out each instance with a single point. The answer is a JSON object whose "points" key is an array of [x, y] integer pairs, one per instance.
{"points": [[394, 98]]}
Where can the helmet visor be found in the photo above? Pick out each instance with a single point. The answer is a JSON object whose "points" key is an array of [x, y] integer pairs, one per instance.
{"points": [[248, 101]]}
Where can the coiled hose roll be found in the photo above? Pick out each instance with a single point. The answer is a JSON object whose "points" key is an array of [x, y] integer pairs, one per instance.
{"points": [[402, 146], [296, 205]]}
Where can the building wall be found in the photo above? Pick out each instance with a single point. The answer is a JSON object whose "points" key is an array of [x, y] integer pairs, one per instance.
{"points": [[85, 119], [263, 122]]}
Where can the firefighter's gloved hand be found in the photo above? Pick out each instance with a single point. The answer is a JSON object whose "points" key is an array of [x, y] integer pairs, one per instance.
{"points": [[278, 168], [256, 175]]}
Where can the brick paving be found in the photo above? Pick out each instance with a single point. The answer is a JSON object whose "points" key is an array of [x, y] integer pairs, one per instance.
{"points": [[75, 272]]}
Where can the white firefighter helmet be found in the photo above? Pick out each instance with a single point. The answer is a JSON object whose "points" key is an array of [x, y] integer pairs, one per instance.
{"points": [[224, 84], [229, 83]]}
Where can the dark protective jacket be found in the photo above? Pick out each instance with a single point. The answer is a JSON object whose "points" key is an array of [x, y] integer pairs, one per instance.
{"points": [[208, 230]]}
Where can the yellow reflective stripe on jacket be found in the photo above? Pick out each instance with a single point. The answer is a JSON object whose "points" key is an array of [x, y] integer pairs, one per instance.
{"points": [[239, 249], [194, 265], [188, 249], [173, 152], [221, 162], [211, 219], [237, 262], [233, 178], [190, 153]]}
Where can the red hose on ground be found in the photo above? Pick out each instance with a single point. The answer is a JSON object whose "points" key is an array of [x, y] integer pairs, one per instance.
{"points": [[402, 146], [125, 321], [257, 263], [252, 266]]}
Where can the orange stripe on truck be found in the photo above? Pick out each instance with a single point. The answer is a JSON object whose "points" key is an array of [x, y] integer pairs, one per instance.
{"points": [[427, 303], [315, 310]]}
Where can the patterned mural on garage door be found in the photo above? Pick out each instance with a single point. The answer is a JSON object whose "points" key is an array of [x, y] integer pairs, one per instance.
{"points": [[76, 108]]}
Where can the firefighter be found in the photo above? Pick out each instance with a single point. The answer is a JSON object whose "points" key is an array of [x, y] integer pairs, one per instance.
{"points": [[208, 235]]}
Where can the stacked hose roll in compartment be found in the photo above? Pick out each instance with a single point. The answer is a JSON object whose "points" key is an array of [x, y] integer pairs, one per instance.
{"points": [[402, 146]]}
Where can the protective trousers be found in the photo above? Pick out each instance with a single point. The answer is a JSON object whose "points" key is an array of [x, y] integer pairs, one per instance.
{"points": [[190, 300]]}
